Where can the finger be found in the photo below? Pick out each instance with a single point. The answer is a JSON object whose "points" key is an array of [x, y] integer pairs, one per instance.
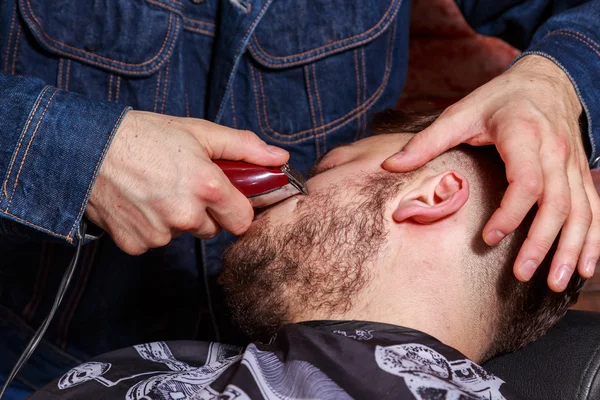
{"points": [[208, 227], [555, 207], [573, 235], [226, 143], [591, 249], [449, 130], [230, 208], [525, 177]]}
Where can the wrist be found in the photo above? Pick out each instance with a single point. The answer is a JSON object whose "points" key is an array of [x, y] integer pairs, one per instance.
{"points": [[543, 68]]}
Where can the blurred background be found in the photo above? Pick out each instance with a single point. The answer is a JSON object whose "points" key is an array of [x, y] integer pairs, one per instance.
{"points": [[440, 37]]}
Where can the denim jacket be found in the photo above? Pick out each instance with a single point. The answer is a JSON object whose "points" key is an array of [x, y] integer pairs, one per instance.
{"points": [[303, 75]]}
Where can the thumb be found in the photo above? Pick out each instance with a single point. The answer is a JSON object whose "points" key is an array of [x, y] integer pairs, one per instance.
{"points": [[221, 142], [445, 133]]}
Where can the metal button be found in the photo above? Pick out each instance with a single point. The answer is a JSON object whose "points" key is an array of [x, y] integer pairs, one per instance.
{"points": [[197, 1]]}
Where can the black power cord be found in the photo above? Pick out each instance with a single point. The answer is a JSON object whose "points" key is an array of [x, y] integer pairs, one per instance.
{"points": [[62, 289]]}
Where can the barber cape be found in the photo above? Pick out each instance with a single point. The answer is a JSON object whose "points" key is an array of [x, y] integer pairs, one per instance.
{"points": [[311, 360]]}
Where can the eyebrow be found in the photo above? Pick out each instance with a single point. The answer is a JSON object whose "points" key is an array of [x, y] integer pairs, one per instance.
{"points": [[316, 169]]}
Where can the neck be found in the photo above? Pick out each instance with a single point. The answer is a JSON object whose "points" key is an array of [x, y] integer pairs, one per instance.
{"points": [[432, 306]]}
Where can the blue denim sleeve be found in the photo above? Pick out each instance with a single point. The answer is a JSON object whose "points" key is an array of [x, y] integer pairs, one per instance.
{"points": [[52, 144], [564, 31]]}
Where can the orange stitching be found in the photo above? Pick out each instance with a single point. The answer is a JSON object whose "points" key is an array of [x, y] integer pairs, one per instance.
{"points": [[59, 74], [366, 33], [87, 60], [68, 75], [165, 88], [14, 61], [310, 100], [576, 38], [28, 146], [239, 49], [197, 21], [12, 27], [104, 150], [196, 30], [358, 110], [31, 115], [118, 88], [157, 90], [264, 107], [168, 7], [256, 101], [96, 55], [233, 109], [24, 221], [110, 83], [180, 4], [581, 35], [318, 102]]}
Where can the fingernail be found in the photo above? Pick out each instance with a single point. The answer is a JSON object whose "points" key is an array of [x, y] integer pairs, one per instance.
{"points": [[590, 267], [562, 276], [494, 237], [528, 269], [397, 156], [276, 150]]}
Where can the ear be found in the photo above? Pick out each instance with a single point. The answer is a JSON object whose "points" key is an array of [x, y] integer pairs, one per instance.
{"points": [[435, 198]]}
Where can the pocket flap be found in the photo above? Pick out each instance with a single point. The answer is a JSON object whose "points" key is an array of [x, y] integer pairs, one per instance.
{"points": [[129, 37], [295, 32]]}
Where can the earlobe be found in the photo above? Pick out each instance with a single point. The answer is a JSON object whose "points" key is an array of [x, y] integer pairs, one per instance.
{"points": [[436, 198]]}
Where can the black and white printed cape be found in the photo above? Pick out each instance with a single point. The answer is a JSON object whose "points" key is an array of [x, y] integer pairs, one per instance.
{"points": [[312, 360]]}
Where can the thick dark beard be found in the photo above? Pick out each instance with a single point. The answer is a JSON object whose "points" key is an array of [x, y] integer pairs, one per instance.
{"points": [[318, 262]]}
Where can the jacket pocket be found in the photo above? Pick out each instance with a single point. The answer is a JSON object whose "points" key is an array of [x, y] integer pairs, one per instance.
{"points": [[316, 66], [129, 37]]}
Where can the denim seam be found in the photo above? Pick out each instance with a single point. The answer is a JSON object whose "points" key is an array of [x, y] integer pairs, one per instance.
{"points": [[165, 88], [110, 85], [96, 170], [320, 108], [164, 45], [311, 102], [15, 51], [37, 126], [338, 46], [23, 134], [41, 228], [158, 79], [10, 36], [581, 35], [59, 74], [172, 34], [165, 6], [576, 38], [200, 31], [118, 90], [236, 58], [198, 21], [351, 115], [68, 77]]}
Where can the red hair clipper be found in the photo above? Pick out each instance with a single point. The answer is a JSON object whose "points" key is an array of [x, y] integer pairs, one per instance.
{"points": [[263, 185]]}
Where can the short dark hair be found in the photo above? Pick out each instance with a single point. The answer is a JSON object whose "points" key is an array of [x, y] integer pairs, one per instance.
{"points": [[525, 310]]}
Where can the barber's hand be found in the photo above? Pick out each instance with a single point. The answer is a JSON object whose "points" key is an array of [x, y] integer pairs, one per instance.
{"points": [[158, 180], [530, 113]]}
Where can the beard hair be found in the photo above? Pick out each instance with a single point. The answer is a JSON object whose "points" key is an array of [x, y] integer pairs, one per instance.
{"points": [[276, 274]]}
